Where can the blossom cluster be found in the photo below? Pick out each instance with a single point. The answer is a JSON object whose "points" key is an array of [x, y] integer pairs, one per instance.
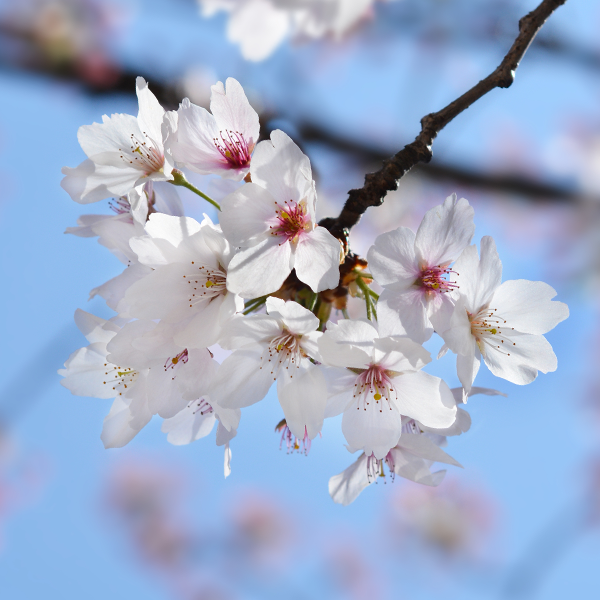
{"points": [[269, 286], [260, 26]]}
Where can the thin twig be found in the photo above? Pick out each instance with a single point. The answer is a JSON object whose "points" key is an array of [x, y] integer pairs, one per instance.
{"points": [[378, 184]]}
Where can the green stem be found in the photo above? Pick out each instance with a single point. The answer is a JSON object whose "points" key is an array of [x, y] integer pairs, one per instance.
{"points": [[312, 302], [367, 293], [179, 179], [252, 305]]}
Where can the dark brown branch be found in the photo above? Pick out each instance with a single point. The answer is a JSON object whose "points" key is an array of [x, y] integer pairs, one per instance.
{"points": [[378, 184]]}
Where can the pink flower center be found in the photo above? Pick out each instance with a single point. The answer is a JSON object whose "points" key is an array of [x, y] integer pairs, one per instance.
{"points": [[375, 467], [144, 155], [489, 329], [373, 384], [181, 359], [433, 280], [291, 221], [234, 148], [200, 406]]}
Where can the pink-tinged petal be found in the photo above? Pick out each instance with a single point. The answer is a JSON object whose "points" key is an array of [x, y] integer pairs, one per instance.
{"points": [[422, 447], [245, 215], [478, 279], [229, 420], [424, 398], [520, 363], [374, 428], [294, 317], [241, 331], [527, 306], [151, 113], [91, 182], [415, 469], [232, 110], [303, 398], [188, 425], [340, 388], [280, 167], [357, 332], [392, 259], [445, 232], [345, 487], [404, 313], [317, 260], [467, 366], [242, 379], [258, 27], [259, 270], [117, 431]]}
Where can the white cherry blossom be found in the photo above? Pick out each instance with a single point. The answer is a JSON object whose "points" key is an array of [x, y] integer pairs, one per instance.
{"points": [[502, 322], [272, 220], [186, 288], [412, 458], [274, 347], [222, 142], [375, 382], [412, 268], [123, 151]]}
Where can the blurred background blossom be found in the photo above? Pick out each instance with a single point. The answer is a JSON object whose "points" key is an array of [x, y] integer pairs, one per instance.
{"points": [[159, 522]]}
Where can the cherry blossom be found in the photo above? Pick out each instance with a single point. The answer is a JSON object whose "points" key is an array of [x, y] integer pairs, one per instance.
{"points": [[417, 449], [272, 220], [222, 142], [278, 347], [375, 382], [502, 322], [190, 260], [123, 151], [413, 269]]}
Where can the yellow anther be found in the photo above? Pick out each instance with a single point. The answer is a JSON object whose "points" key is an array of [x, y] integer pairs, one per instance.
{"points": [[377, 396], [494, 331], [209, 283], [175, 360], [123, 373]]}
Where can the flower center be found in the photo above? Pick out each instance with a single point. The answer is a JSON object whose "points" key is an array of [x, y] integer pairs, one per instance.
{"points": [[375, 467], [120, 205], [373, 384], [291, 221], [291, 441], [119, 378], [144, 155], [181, 359], [234, 148], [206, 283], [200, 406], [283, 351], [433, 280], [489, 329]]}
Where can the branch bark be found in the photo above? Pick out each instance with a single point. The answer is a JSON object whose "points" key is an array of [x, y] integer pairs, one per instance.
{"points": [[378, 184]]}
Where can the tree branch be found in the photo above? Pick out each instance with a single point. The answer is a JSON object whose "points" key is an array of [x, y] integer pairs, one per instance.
{"points": [[378, 184]]}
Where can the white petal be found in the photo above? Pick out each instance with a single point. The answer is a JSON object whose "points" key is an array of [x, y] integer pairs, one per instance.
{"points": [[241, 331], [317, 260], [85, 373], [151, 113], [303, 399], [117, 431], [421, 446], [296, 318], [259, 270], [445, 232], [425, 398], [467, 366], [416, 469], [374, 428], [527, 306], [404, 313], [188, 425], [345, 487], [94, 328], [392, 259]]}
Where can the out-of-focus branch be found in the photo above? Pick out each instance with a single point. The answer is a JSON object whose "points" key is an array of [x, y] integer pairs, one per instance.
{"points": [[378, 184]]}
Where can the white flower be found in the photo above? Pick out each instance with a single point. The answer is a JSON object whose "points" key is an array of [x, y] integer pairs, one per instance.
{"points": [[222, 142], [418, 448], [380, 383], [273, 221], [116, 231], [187, 286], [273, 347], [128, 363], [123, 151], [503, 322], [413, 269]]}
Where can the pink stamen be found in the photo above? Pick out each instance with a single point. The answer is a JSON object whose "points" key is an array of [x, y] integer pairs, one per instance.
{"points": [[291, 441], [182, 358], [375, 384], [291, 221], [433, 280], [375, 467], [234, 148]]}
